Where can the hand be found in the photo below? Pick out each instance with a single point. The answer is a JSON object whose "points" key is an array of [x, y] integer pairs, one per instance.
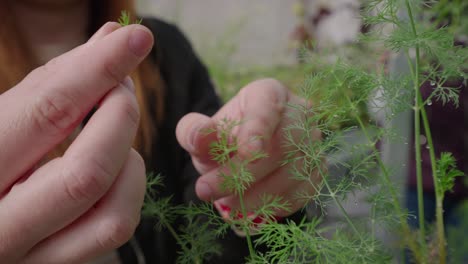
{"points": [[87, 202], [262, 109]]}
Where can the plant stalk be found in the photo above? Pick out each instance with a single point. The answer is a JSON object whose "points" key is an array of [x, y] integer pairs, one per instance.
{"points": [[417, 133], [396, 203], [386, 177], [439, 195], [430, 144], [246, 226], [342, 210]]}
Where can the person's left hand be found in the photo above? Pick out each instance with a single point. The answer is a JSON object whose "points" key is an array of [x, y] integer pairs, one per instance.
{"points": [[262, 107]]}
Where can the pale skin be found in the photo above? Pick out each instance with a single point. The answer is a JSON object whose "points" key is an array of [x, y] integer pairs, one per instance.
{"points": [[88, 202]]}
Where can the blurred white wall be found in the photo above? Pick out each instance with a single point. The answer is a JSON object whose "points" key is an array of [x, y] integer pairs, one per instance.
{"points": [[259, 29]]}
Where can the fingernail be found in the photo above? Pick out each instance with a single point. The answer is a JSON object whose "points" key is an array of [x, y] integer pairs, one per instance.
{"points": [[225, 208], [193, 136], [204, 191], [140, 42], [108, 26], [249, 215], [128, 83]]}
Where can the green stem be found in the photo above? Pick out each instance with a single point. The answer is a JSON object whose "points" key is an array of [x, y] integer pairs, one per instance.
{"points": [[456, 17], [418, 105], [437, 188], [246, 226], [441, 230], [419, 181], [386, 178], [417, 134], [427, 130], [343, 211], [373, 222], [179, 241]]}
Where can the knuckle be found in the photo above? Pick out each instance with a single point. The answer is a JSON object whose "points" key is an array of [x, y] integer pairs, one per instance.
{"points": [[116, 231], [138, 175], [87, 182], [273, 83], [277, 92], [273, 88], [129, 110], [52, 65], [254, 133], [113, 72], [55, 112], [50, 68], [261, 122], [270, 90], [43, 72]]}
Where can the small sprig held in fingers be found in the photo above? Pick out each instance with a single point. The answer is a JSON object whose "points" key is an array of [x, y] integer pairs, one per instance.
{"points": [[124, 19]]}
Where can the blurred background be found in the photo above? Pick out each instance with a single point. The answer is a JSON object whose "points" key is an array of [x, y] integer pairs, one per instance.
{"points": [[244, 40]]}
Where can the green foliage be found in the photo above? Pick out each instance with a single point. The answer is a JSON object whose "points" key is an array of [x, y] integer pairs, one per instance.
{"points": [[223, 151], [200, 232], [202, 226], [125, 19], [160, 209], [451, 14], [338, 95], [306, 242], [447, 172]]}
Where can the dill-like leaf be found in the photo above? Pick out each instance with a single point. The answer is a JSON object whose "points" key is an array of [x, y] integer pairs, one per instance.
{"points": [[125, 20]]}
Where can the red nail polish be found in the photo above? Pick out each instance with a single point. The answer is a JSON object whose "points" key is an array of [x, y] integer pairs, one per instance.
{"points": [[222, 207], [258, 220], [225, 208]]}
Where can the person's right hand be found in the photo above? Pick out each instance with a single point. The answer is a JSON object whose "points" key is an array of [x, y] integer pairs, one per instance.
{"points": [[87, 202]]}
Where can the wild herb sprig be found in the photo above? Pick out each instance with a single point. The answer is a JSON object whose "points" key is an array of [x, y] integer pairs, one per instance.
{"points": [[237, 178], [201, 227], [125, 19]]}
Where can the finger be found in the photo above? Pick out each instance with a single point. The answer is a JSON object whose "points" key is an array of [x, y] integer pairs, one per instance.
{"points": [[56, 97], [278, 185], [60, 191], [107, 226], [105, 30], [209, 185], [195, 132], [261, 106]]}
